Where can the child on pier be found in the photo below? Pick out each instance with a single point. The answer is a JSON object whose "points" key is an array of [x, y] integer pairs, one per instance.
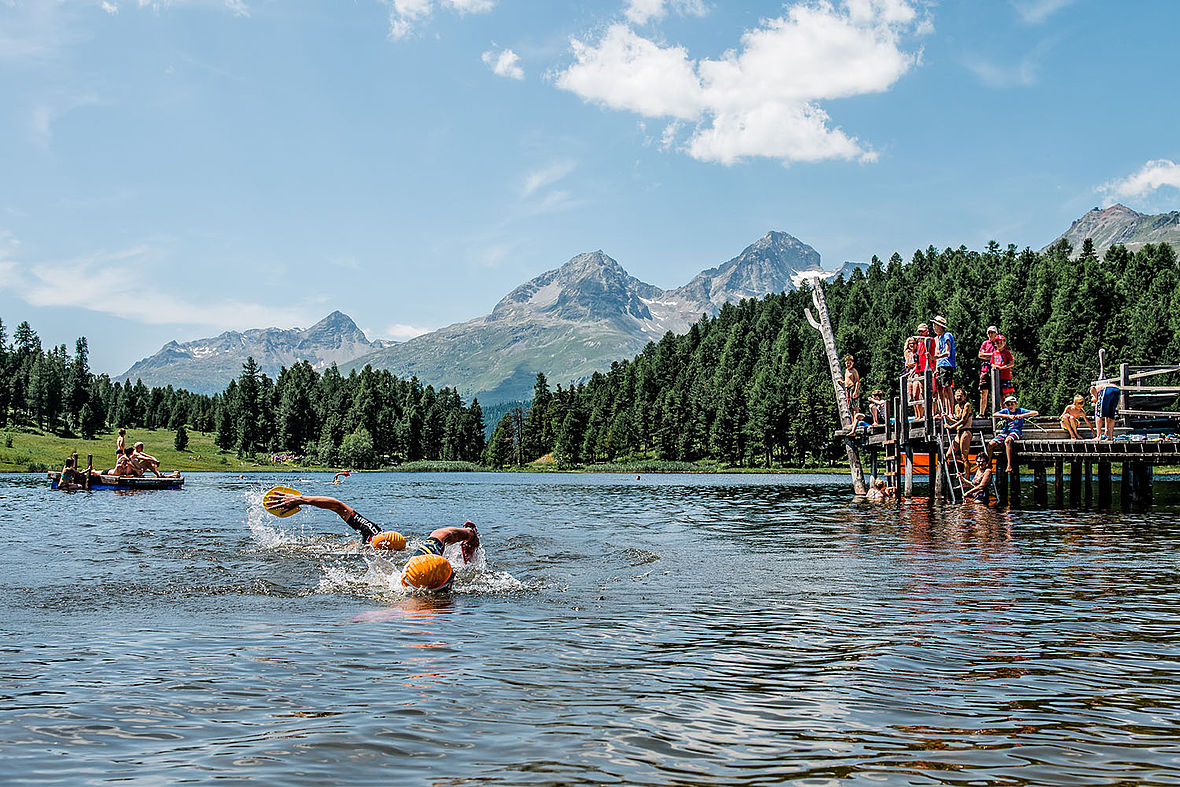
{"points": [[1012, 430], [1070, 416]]}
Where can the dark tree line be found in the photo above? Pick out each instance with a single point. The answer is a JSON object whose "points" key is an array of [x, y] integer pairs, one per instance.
{"points": [[751, 386], [364, 420], [55, 391]]}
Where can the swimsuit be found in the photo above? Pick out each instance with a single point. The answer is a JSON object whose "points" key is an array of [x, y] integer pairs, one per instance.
{"points": [[1108, 402], [431, 546], [363, 526]]}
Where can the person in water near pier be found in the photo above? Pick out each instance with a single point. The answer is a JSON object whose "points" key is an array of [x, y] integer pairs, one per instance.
{"points": [[1013, 430], [976, 492], [879, 493], [427, 569], [1074, 412]]}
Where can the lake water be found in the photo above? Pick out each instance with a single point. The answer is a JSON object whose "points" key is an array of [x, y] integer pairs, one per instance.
{"points": [[736, 630]]}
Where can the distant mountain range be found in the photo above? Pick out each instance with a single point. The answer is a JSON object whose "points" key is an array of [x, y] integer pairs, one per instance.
{"points": [[1119, 225], [568, 322], [207, 365]]}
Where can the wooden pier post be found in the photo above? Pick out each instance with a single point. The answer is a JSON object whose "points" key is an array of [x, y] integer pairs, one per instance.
{"points": [[1142, 481], [1089, 482], [1125, 492], [934, 479], [1014, 483], [1059, 483], [1040, 485], [89, 469], [938, 490], [1075, 484], [1105, 492], [909, 470], [824, 325], [1001, 477]]}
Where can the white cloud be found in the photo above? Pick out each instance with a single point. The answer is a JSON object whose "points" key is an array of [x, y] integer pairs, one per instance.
{"points": [[760, 99], [1021, 74], [640, 12], [1034, 12], [506, 63], [124, 284], [400, 332], [236, 7], [110, 8], [1152, 176], [406, 15], [545, 177]]}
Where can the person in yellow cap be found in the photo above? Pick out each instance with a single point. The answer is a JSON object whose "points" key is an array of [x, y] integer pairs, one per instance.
{"points": [[423, 571]]}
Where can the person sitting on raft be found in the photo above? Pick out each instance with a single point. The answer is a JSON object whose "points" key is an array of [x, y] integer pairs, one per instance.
{"points": [[144, 462], [1010, 432], [1072, 414], [124, 467], [427, 569]]}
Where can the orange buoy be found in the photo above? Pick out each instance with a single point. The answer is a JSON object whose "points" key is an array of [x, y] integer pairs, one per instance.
{"points": [[428, 572], [388, 539]]}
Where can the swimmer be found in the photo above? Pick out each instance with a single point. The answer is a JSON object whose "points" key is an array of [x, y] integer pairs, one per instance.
{"points": [[342, 474], [425, 569]]}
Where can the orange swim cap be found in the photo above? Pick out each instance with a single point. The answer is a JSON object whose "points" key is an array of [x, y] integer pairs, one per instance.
{"points": [[428, 572], [388, 539]]}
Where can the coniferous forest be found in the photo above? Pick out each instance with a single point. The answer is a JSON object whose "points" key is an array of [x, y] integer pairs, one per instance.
{"points": [[748, 387]]}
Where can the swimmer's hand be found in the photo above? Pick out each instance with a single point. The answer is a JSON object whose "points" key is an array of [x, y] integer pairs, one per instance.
{"points": [[471, 544], [281, 501]]}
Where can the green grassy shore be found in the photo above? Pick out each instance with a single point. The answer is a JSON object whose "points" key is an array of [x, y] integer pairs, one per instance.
{"points": [[24, 452]]}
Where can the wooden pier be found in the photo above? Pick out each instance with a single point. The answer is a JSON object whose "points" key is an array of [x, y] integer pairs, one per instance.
{"points": [[1082, 470]]}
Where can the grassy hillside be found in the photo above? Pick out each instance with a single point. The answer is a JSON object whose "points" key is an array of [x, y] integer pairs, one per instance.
{"points": [[24, 452]]}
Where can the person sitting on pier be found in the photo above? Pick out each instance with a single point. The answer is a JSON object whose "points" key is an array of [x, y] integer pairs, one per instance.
{"points": [[946, 364], [1013, 430], [1105, 397], [1073, 413], [960, 427], [976, 491], [877, 407]]}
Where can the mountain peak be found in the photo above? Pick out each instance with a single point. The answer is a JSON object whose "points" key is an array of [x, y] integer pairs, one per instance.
{"points": [[768, 265], [590, 286], [1120, 225]]}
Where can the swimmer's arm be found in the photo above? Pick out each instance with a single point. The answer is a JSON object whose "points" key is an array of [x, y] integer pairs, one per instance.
{"points": [[283, 501], [455, 535]]}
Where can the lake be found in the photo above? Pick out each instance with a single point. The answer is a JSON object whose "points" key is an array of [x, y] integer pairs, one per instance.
{"points": [[670, 629]]}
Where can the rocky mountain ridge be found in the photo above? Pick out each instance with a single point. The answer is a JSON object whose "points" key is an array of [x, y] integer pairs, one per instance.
{"points": [[1120, 225], [207, 365]]}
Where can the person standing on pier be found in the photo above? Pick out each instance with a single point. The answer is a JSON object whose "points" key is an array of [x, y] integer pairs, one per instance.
{"points": [[851, 385], [925, 360], [1013, 430], [985, 369], [1105, 397], [946, 364], [1002, 359]]}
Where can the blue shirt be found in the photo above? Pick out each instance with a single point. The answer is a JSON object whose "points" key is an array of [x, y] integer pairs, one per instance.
{"points": [[1014, 426], [947, 340]]}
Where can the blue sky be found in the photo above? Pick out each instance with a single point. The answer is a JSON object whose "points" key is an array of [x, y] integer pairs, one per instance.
{"points": [[173, 169]]}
